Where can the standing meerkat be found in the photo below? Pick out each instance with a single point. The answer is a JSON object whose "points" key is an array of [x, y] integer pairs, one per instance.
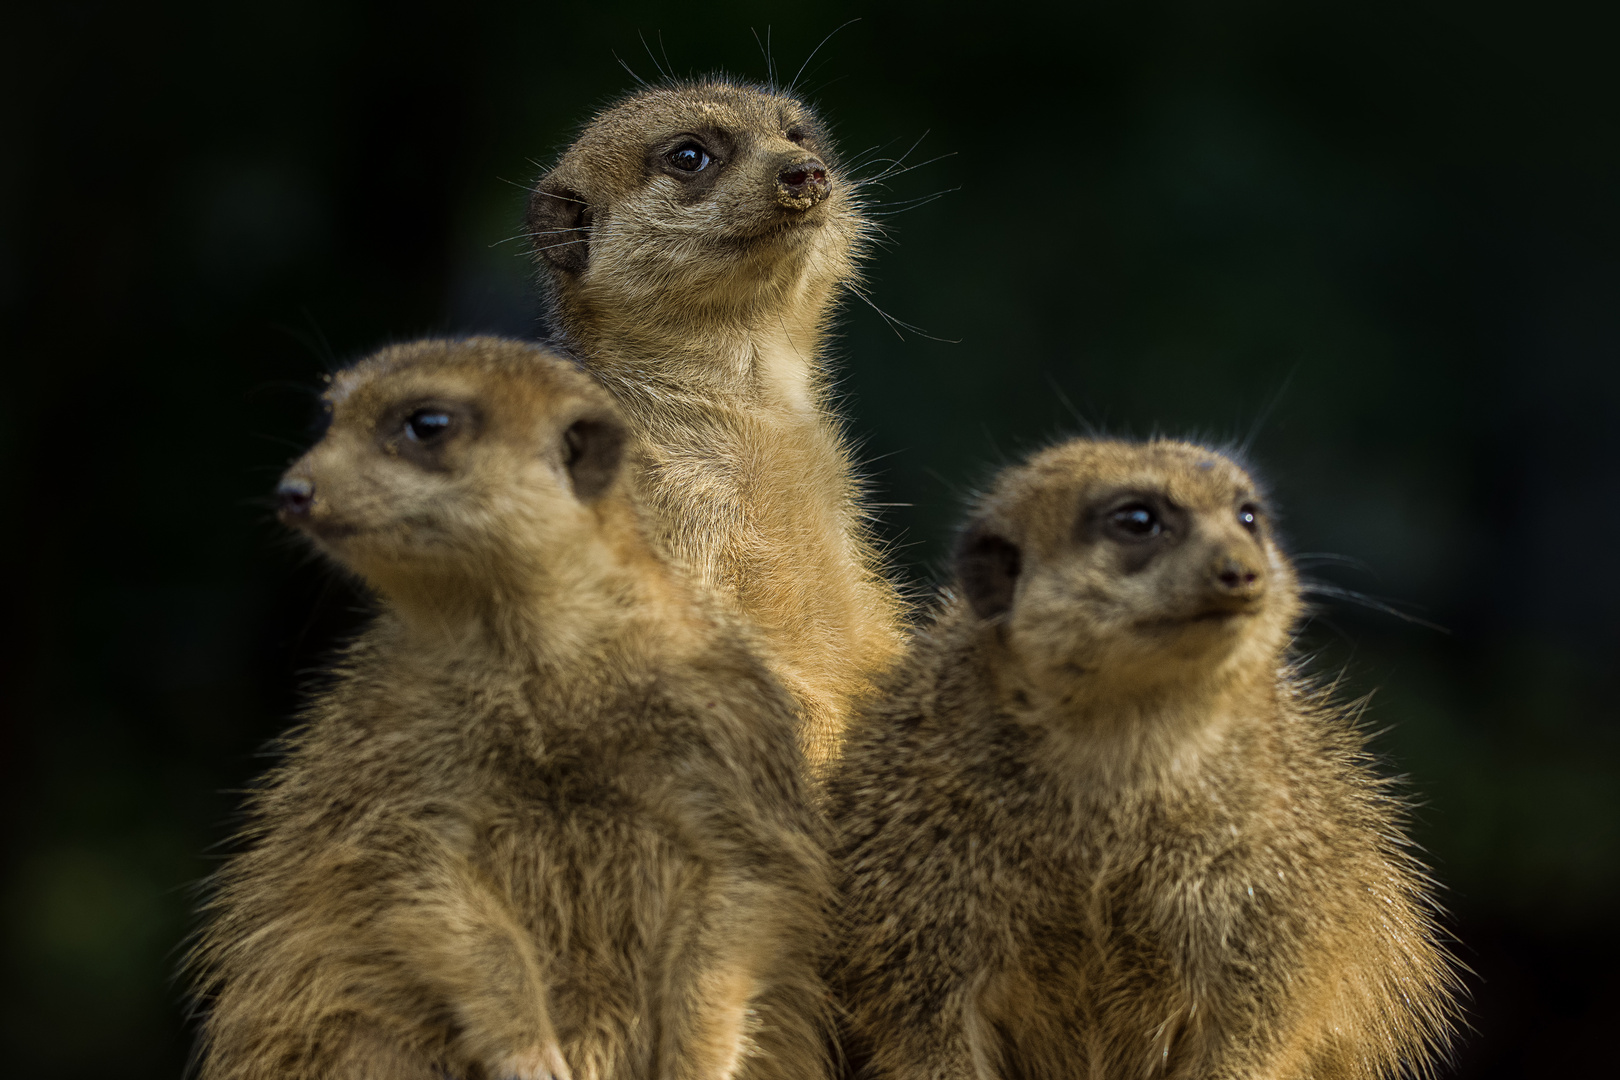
{"points": [[695, 240], [548, 818], [1101, 826]]}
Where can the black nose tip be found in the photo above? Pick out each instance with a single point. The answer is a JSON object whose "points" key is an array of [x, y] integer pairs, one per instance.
{"points": [[1237, 577], [295, 496], [803, 184]]}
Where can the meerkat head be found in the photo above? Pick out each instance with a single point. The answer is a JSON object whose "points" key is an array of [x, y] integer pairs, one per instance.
{"points": [[714, 194], [1124, 569], [457, 468]]}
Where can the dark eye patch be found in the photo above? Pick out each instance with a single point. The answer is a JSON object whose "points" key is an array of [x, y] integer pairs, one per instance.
{"points": [[420, 431], [1135, 521], [689, 157], [428, 425], [1140, 524], [697, 158]]}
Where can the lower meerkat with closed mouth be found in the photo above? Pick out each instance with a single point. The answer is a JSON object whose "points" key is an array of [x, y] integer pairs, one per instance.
{"points": [[694, 242], [1102, 826], [548, 818]]}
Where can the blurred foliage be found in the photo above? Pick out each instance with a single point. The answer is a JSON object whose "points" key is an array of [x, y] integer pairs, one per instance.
{"points": [[1380, 240]]}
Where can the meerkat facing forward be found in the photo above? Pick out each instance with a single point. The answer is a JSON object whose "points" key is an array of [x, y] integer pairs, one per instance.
{"points": [[1102, 827], [695, 240], [549, 816]]}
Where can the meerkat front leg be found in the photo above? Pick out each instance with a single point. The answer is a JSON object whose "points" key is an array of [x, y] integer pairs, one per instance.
{"points": [[953, 1042], [709, 987], [712, 1039], [401, 967], [743, 996], [468, 946], [364, 1051]]}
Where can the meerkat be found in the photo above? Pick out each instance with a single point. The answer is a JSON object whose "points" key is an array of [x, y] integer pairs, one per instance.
{"points": [[549, 818], [1101, 825], [694, 242]]}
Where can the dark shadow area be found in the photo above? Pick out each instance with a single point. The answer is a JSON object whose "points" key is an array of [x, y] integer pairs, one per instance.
{"points": [[1382, 240]]}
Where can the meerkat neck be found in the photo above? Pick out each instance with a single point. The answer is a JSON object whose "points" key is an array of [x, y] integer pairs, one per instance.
{"points": [[551, 618], [765, 359], [1165, 739]]}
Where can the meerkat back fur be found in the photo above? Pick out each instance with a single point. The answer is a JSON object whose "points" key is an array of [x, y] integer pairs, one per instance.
{"points": [[1102, 826], [548, 818], [694, 242]]}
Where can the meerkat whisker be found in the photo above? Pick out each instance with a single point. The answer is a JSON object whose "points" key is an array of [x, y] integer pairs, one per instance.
{"points": [[562, 244], [1318, 588], [912, 204], [557, 197], [898, 324], [662, 74], [628, 70], [524, 236], [897, 166], [793, 83], [1332, 556], [897, 169]]}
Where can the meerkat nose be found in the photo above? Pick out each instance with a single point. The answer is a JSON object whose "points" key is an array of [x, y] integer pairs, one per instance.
{"points": [[295, 496], [1234, 577], [803, 183]]}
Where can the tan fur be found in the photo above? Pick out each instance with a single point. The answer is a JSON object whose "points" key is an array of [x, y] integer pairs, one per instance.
{"points": [[701, 300], [1101, 826], [549, 815]]}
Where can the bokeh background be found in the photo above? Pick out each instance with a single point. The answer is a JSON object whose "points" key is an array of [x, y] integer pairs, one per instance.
{"points": [[1381, 239]]}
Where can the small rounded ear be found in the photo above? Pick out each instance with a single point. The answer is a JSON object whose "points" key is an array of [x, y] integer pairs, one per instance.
{"points": [[987, 566], [560, 225], [593, 450]]}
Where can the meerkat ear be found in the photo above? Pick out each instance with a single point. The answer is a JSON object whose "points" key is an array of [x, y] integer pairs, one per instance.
{"points": [[987, 566], [593, 449], [560, 224]]}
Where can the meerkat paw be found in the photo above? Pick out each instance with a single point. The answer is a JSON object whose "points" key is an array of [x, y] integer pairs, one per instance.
{"points": [[536, 1063]]}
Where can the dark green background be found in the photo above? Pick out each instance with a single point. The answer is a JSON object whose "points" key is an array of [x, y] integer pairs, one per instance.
{"points": [[1383, 237]]}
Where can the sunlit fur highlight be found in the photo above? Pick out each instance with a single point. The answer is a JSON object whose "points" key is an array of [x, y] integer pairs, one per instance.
{"points": [[548, 816], [706, 318], [1112, 831]]}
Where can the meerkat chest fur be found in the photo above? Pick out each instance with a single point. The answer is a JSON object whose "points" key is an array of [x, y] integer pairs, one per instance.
{"points": [[1171, 847]]}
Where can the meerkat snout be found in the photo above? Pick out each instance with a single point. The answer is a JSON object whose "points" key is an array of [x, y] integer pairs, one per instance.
{"points": [[803, 183], [1232, 575], [294, 497]]}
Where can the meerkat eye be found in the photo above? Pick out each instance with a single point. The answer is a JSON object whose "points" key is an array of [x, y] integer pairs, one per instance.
{"points": [[1136, 521], [795, 135], [426, 425], [689, 157], [1249, 517]]}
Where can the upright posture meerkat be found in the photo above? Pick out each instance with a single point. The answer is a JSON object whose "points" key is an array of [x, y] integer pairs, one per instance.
{"points": [[1103, 827], [549, 816], [695, 239]]}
